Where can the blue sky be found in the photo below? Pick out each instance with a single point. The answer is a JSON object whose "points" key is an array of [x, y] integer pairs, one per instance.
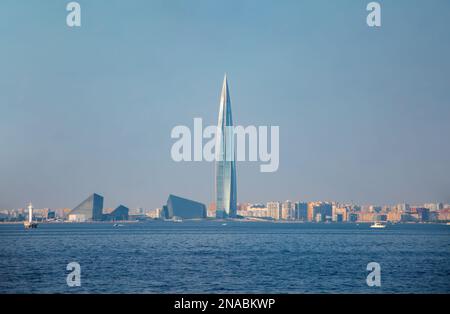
{"points": [[364, 113]]}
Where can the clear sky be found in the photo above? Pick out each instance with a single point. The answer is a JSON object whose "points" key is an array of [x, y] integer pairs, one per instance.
{"points": [[364, 114]]}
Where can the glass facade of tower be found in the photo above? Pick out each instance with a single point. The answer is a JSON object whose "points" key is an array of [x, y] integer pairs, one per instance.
{"points": [[226, 201]]}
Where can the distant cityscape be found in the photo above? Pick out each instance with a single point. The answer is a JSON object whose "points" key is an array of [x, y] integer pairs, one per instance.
{"points": [[179, 208], [225, 206], [342, 212]]}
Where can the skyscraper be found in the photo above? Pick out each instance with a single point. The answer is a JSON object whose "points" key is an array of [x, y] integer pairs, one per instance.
{"points": [[226, 201]]}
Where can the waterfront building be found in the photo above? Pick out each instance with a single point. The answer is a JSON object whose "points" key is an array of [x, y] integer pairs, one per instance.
{"points": [[91, 209], [444, 214], [375, 209], [326, 209], [62, 212], [51, 215], [287, 210], [255, 210], [434, 206], [353, 217], [310, 211], [403, 207], [340, 214], [367, 217], [318, 217], [211, 210], [434, 216], [318, 211], [409, 217], [243, 206], [226, 194], [380, 217], [423, 214], [394, 216], [156, 213], [274, 210], [180, 207], [120, 213], [301, 210]]}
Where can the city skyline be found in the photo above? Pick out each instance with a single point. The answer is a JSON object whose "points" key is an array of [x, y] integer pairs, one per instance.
{"points": [[179, 208], [432, 205], [363, 112]]}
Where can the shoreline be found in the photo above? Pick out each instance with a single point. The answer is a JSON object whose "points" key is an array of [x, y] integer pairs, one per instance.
{"points": [[223, 221]]}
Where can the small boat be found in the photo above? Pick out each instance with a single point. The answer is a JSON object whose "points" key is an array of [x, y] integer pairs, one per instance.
{"points": [[377, 225], [117, 225], [177, 220], [224, 224]]}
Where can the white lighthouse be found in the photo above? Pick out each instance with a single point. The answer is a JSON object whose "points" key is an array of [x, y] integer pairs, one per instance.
{"points": [[30, 224]]}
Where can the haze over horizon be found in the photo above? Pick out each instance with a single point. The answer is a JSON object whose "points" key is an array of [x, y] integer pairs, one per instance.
{"points": [[364, 114]]}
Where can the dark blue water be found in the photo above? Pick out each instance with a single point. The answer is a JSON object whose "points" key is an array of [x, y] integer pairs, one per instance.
{"points": [[195, 257]]}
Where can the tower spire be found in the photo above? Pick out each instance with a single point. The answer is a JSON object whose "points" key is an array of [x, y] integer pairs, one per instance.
{"points": [[226, 204]]}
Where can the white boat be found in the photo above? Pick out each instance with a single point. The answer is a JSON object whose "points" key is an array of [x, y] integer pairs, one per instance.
{"points": [[377, 225]]}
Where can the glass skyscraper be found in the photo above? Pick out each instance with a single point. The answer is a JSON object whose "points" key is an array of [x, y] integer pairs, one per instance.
{"points": [[226, 201]]}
